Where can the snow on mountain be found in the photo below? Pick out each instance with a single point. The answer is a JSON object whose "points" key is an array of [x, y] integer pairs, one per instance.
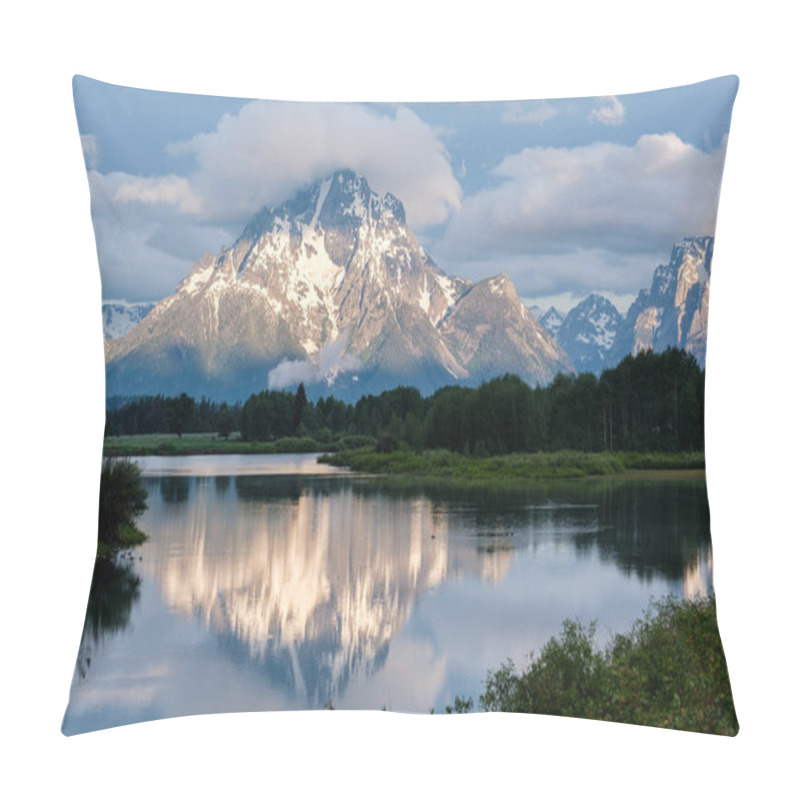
{"points": [[120, 317], [552, 321], [673, 312], [588, 333], [330, 287]]}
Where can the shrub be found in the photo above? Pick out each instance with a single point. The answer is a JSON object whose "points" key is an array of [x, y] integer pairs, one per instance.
{"points": [[123, 498], [668, 672], [387, 443]]}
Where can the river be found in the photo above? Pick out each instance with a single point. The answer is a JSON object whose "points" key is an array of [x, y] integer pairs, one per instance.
{"points": [[276, 583]]}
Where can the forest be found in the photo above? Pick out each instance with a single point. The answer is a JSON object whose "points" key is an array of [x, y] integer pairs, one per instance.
{"points": [[648, 402]]}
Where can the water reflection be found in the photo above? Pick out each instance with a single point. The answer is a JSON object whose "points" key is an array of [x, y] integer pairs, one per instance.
{"points": [[114, 592], [310, 579], [174, 490], [298, 590]]}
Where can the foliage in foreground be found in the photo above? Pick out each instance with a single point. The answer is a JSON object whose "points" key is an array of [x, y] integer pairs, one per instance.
{"points": [[123, 498], [668, 672]]}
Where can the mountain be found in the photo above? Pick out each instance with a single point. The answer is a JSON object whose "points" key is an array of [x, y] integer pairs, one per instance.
{"points": [[491, 331], [588, 333], [552, 321], [120, 317], [331, 288], [674, 311]]}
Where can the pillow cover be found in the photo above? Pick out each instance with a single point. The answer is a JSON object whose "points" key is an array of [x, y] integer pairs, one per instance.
{"points": [[404, 407]]}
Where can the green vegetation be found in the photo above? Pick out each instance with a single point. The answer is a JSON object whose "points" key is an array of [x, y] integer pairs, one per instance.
{"points": [[165, 444], [667, 461], [668, 672], [652, 402], [446, 464], [179, 413], [123, 498]]}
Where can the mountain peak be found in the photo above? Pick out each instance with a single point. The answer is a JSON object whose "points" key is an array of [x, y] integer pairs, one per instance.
{"points": [[674, 311], [331, 282], [593, 304], [552, 320], [588, 333], [341, 200]]}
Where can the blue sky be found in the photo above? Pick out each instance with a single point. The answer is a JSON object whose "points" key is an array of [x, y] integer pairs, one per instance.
{"points": [[566, 196]]}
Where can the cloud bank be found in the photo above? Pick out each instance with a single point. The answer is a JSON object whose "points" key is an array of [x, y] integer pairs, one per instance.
{"points": [[626, 198], [269, 150], [580, 219]]}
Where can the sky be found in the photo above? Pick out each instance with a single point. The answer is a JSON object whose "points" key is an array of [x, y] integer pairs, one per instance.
{"points": [[567, 196]]}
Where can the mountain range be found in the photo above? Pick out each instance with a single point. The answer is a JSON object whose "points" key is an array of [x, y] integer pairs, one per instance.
{"points": [[333, 289], [672, 313]]}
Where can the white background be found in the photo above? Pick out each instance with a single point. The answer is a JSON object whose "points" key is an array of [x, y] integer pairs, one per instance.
{"points": [[52, 400]]}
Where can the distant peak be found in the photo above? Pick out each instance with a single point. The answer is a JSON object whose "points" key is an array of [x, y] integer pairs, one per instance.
{"points": [[595, 300], [698, 245]]}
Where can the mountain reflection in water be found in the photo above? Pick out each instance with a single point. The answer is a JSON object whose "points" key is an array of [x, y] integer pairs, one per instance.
{"points": [[307, 590]]}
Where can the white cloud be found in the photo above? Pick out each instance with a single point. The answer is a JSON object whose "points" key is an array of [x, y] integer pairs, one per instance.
{"points": [[269, 150], [146, 249], [612, 112], [561, 217], [624, 198], [169, 190], [326, 365], [536, 113], [90, 150]]}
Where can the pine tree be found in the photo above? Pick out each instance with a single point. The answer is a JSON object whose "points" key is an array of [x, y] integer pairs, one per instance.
{"points": [[300, 403]]}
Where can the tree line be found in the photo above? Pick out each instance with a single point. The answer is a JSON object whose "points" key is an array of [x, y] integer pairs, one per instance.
{"points": [[651, 401]]}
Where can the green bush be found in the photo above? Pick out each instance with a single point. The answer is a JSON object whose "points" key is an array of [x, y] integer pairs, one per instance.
{"points": [[123, 498], [387, 443], [668, 672]]}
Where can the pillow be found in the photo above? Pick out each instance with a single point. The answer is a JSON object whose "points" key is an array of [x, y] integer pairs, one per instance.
{"points": [[404, 407]]}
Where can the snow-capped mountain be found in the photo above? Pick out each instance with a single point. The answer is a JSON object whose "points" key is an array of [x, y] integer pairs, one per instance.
{"points": [[331, 288], [588, 333], [674, 311], [120, 317], [552, 321]]}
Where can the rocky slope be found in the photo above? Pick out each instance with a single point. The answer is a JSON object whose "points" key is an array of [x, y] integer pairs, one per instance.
{"points": [[674, 311]]}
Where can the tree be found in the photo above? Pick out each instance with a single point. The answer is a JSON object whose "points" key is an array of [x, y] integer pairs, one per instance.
{"points": [[300, 403], [123, 498], [225, 422], [180, 411]]}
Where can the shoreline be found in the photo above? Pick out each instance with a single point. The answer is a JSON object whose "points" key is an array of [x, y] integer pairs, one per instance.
{"points": [[441, 465]]}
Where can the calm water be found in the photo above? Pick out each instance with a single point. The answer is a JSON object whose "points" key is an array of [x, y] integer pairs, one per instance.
{"points": [[271, 582]]}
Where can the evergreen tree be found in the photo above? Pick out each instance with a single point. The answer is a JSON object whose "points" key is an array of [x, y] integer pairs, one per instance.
{"points": [[300, 403], [180, 411]]}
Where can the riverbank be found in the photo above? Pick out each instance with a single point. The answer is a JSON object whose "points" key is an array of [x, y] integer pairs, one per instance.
{"points": [[358, 453], [669, 671], [517, 466], [195, 444]]}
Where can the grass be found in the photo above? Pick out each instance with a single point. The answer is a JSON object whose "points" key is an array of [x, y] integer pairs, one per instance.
{"points": [[669, 671], [168, 444], [693, 460], [359, 454], [516, 466]]}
